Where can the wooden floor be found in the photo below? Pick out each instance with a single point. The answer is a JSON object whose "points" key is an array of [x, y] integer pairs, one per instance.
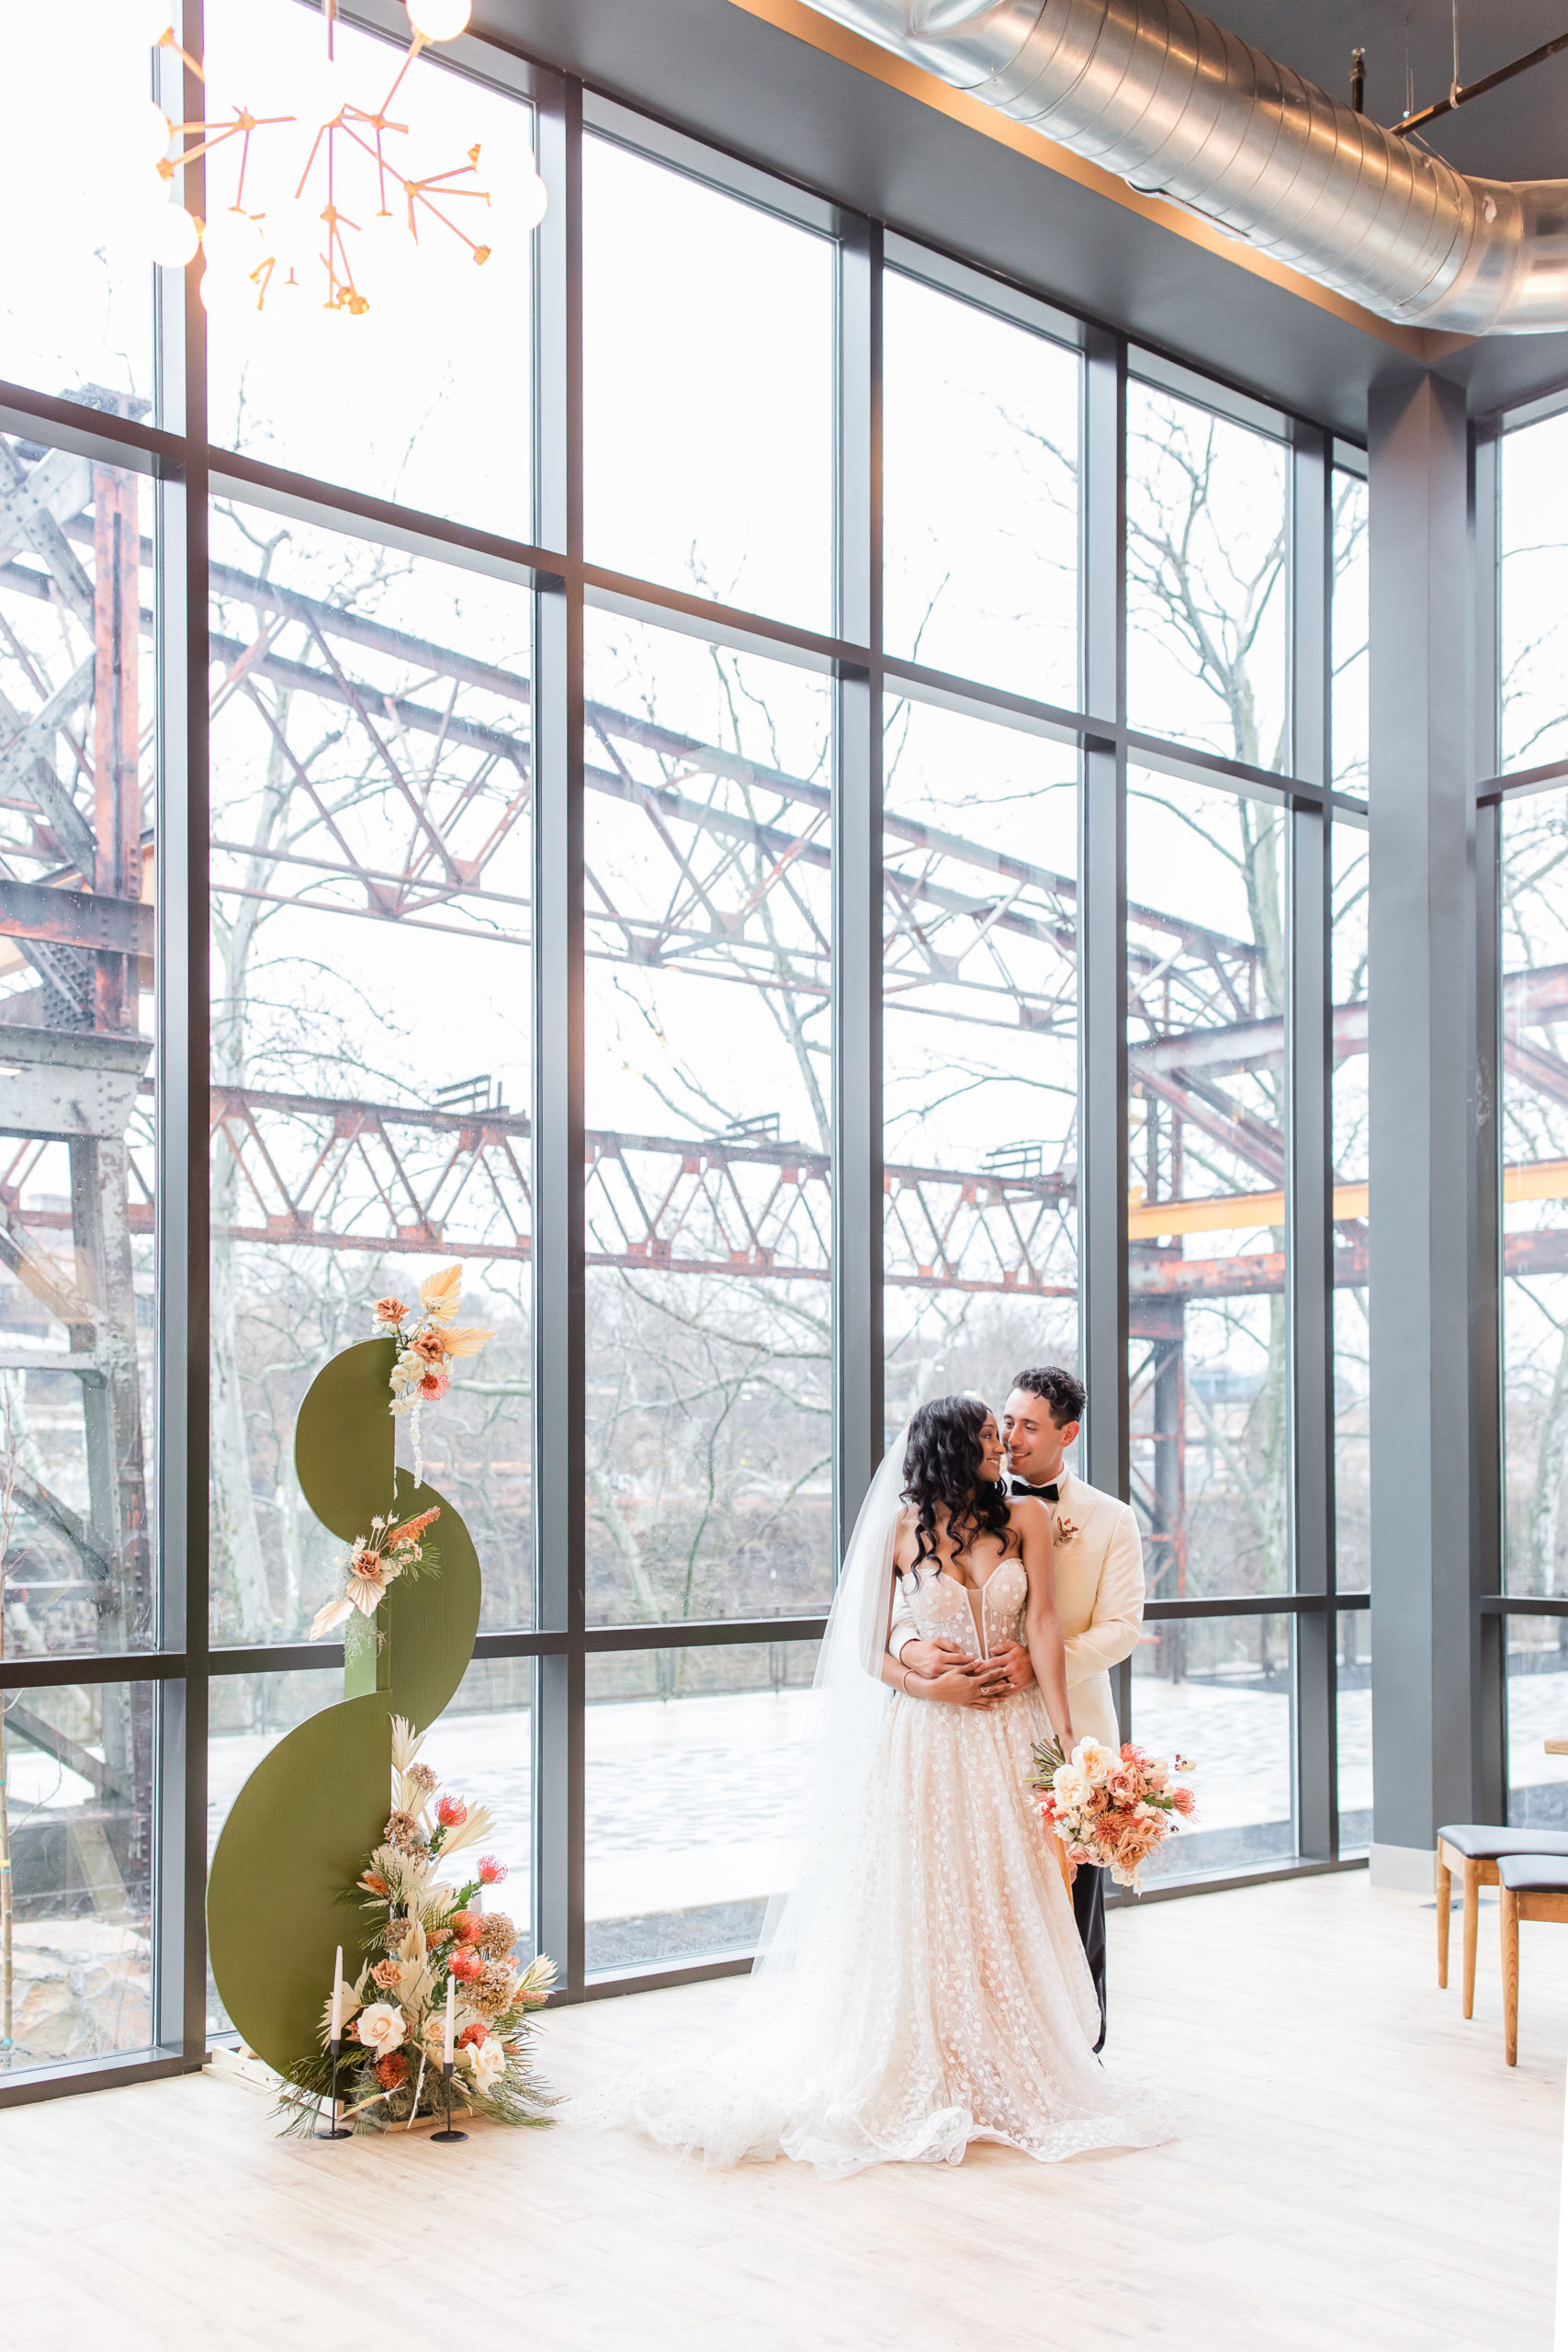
{"points": [[1357, 2168]]}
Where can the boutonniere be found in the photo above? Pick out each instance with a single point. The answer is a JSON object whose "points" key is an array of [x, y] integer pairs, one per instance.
{"points": [[1065, 1529]]}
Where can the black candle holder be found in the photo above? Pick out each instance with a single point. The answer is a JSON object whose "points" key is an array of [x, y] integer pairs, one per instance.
{"points": [[448, 2133], [334, 2130]]}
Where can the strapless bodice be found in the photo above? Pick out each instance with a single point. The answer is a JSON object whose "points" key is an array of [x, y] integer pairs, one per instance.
{"points": [[946, 1610]]}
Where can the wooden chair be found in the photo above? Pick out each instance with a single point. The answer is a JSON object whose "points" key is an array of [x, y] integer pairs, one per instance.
{"points": [[1473, 1850], [1533, 1886]]}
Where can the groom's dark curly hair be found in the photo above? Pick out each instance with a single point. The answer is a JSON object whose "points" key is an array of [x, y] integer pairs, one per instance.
{"points": [[942, 1471]]}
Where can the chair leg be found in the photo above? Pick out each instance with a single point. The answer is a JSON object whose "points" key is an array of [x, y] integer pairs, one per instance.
{"points": [[1508, 1913], [1472, 1928], [1445, 1904]]}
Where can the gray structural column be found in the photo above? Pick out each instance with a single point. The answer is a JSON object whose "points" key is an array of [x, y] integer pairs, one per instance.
{"points": [[1427, 1681]]}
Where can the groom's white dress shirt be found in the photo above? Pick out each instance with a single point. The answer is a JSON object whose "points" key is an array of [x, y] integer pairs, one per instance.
{"points": [[1099, 1566]]}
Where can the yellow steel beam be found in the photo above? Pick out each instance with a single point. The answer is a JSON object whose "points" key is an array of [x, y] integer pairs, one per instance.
{"points": [[1540, 1179]]}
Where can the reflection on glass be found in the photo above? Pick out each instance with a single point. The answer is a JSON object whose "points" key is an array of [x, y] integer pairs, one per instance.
{"points": [[1534, 1091], [1534, 602], [371, 748], [76, 1101], [423, 396], [980, 493], [77, 1775], [1206, 601], [709, 1337], [1352, 1327], [698, 1765], [1537, 1711], [709, 372], [480, 1745], [80, 187], [1208, 1355], [1218, 1689], [1354, 1700], [979, 1054], [1350, 628]]}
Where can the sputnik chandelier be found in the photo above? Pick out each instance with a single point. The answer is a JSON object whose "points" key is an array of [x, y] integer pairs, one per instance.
{"points": [[321, 212]]}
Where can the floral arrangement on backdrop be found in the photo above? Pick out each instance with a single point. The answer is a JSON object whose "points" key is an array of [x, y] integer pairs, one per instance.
{"points": [[1108, 1806], [430, 1931], [372, 1563], [427, 1343]]}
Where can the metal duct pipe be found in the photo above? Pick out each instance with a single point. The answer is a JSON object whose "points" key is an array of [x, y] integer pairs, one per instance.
{"points": [[1181, 108]]}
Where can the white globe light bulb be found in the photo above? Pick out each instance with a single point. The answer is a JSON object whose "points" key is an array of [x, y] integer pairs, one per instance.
{"points": [[532, 199], [154, 142], [439, 19], [172, 237]]}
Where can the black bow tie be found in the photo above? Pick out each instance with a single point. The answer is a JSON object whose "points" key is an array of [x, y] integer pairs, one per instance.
{"points": [[1045, 1494]]}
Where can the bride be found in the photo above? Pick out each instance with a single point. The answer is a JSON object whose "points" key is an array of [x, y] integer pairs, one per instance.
{"points": [[923, 1985]]}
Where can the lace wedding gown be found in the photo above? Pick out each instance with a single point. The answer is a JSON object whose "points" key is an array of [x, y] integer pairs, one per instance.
{"points": [[940, 1995]]}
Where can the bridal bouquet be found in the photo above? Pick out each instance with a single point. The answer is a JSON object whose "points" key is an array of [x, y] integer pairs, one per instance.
{"points": [[429, 1931], [1114, 1807]]}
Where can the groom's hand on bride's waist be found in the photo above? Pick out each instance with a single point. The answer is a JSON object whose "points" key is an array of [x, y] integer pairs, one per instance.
{"points": [[1006, 1668]]}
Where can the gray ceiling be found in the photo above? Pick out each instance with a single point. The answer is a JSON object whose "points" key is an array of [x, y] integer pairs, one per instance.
{"points": [[721, 72], [1520, 132]]}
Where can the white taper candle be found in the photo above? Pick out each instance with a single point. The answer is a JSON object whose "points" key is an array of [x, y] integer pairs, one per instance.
{"points": [[337, 1995], [446, 2051]]}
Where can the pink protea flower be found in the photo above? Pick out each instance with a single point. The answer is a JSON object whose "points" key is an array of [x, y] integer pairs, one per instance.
{"points": [[434, 1385], [468, 1926], [470, 2034], [1184, 1801], [451, 1813], [466, 1964], [492, 1872]]}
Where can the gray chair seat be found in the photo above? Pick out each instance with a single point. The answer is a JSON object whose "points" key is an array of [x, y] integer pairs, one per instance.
{"points": [[1484, 1842], [1534, 1873]]}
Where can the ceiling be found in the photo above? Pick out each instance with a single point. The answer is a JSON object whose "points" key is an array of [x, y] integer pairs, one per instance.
{"points": [[1518, 132], [781, 97]]}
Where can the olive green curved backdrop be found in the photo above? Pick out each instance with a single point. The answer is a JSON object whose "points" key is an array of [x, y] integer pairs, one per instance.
{"points": [[299, 1829]]}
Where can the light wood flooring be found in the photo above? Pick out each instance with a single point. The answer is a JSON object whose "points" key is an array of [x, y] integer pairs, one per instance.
{"points": [[1356, 2169]]}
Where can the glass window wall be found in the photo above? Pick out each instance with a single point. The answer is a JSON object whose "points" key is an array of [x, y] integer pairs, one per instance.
{"points": [[391, 729], [980, 1054]]}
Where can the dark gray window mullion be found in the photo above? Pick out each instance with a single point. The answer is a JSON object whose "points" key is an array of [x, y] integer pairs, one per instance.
{"points": [[180, 539], [1102, 928], [559, 1303], [1309, 1208], [857, 888], [1485, 1286]]}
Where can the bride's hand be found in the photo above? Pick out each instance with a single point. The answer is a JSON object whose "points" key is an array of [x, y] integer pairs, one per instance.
{"points": [[932, 1659], [963, 1686]]}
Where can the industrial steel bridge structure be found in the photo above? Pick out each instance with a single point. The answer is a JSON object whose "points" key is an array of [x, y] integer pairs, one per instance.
{"points": [[448, 748]]}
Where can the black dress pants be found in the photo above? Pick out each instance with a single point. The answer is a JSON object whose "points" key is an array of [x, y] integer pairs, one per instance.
{"points": [[1088, 1910]]}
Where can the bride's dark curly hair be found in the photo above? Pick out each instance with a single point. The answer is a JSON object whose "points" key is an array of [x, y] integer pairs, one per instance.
{"points": [[942, 1471]]}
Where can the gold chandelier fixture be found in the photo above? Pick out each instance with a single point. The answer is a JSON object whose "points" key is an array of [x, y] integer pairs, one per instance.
{"points": [[350, 166]]}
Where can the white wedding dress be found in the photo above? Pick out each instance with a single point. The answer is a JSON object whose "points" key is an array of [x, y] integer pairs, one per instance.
{"points": [[924, 1985]]}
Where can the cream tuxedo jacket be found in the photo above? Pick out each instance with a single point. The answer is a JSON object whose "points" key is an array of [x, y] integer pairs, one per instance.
{"points": [[1100, 1601]]}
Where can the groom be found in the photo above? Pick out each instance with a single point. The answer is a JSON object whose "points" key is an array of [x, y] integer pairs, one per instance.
{"points": [[1098, 1567]]}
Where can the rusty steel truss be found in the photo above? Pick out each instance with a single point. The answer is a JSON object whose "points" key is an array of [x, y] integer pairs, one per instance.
{"points": [[735, 856]]}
